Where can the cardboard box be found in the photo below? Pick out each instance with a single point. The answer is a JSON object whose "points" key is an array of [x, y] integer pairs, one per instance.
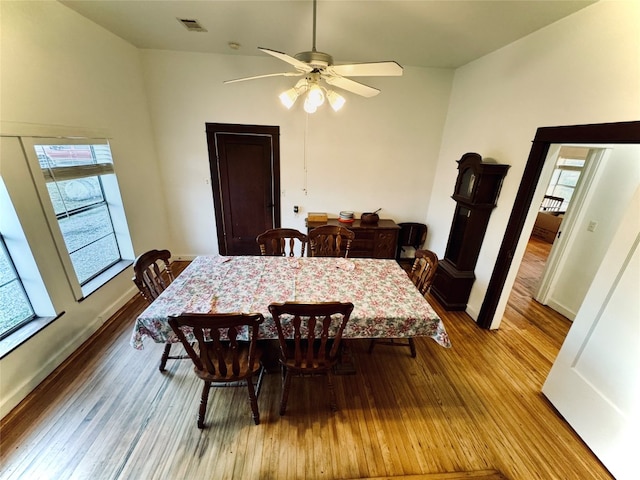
{"points": [[546, 226], [316, 217]]}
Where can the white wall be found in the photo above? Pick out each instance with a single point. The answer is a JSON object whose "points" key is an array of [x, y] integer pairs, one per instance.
{"points": [[608, 199], [582, 69], [58, 68], [376, 152]]}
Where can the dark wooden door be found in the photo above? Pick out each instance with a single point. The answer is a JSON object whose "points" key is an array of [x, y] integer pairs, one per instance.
{"points": [[245, 179]]}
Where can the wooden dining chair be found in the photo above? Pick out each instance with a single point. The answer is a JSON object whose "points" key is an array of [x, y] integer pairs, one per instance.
{"points": [[221, 359], [152, 274], [281, 242], [330, 241], [315, 330], [422, 272]]}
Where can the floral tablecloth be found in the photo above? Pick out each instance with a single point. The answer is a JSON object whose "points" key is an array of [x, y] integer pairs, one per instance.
{"points": [[386, 303]]}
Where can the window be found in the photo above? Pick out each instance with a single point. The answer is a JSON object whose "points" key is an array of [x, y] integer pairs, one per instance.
{"points": [[74, 181], [25, 301], [81, 199], [16, 309], [565, 177]]}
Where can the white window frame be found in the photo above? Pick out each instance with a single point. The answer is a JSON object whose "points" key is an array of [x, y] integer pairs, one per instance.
{"points": [[27, 270], [114, 203], [555, 181]]}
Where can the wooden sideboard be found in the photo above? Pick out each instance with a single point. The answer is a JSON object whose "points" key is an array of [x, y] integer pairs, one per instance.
{"points": [[372, 240]]}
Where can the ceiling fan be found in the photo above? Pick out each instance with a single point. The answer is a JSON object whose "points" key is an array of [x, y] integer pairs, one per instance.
{"points": [[317, 66]]}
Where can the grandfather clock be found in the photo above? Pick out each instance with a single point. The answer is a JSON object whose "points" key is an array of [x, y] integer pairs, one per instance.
{"points": [[476, 191]]}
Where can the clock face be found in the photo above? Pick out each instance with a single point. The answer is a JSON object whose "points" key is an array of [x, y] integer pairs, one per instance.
{"points": [[467, 182], [472, 180]]}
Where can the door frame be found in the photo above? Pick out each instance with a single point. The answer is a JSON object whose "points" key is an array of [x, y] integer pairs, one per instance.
{"points": [[567, 234], [273, 132], [603, 133]]}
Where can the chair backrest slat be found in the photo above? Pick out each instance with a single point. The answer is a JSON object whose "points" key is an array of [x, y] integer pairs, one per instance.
{"points": [[423, 270], [551, 203], [330, 241], [274, 242], [152, 273], [301, 321], [217, 335]]}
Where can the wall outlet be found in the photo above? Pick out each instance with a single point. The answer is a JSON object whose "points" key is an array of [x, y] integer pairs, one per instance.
{"points": [[295, 209], [592, 226]]}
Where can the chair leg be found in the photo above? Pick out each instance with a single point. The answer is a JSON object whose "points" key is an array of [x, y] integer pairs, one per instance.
{"points": [[332, 392], [412, 346], [165, 356], [259, 382], [285, 391], [254, 402], [372, 344], [203, 404]]}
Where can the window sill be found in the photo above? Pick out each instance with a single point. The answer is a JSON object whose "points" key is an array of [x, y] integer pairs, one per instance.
{"points": [[93, 285], [17, 338]]}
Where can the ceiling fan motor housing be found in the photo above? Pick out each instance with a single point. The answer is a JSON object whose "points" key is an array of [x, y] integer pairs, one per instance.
{"points": [[315, 59]]}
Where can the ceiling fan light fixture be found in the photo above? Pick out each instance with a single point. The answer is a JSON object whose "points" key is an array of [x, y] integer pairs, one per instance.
{"points": [[289, 97], [336, 101], [316, 66], [309, 106], [315, 95]]}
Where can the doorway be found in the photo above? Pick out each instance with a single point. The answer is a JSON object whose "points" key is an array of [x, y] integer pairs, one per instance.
{"points": [[245, 179], [576, 176], [608, 133]]}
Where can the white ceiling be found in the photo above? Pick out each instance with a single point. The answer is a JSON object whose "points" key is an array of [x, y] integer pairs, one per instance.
{"points": [[425, 33]]}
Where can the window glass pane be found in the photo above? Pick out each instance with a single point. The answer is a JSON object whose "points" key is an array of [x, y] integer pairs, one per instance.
{"points": [[564, 192], [16, 308], [90, 241], [569, 178], [553, 182], [95, 257], [52, 156], [73, 194], [85, 227]]}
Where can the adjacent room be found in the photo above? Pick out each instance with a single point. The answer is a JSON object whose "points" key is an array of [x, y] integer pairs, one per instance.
{"points": [[456, 178]]}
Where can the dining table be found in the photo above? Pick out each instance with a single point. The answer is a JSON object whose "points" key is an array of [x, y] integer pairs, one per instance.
{"points": [[386, 302]]}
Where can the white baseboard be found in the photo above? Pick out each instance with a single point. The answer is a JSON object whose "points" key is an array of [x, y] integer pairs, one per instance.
{"points": [[561, 309]]}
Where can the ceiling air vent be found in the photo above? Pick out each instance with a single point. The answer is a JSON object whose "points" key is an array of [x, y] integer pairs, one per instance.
{"points": [[192, 25]]}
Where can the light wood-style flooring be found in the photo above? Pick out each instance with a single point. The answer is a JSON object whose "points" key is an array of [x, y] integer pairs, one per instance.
{"points": [[107, 413]]}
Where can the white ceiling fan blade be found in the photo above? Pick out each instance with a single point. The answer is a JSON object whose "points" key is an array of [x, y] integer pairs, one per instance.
{"points": [[302, 66], [373, 69], [284, 74], [352, 86]]}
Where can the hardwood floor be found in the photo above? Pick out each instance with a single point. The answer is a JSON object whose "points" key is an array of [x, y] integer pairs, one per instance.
{"points": [[107, 413]]}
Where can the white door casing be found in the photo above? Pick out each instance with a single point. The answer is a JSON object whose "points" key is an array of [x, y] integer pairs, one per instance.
{"points": [[568, 233]]}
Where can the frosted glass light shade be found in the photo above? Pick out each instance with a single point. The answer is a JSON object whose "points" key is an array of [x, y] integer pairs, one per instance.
{"points": [[289, 97], [336, 100], [309, 106], [315, 95]]}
